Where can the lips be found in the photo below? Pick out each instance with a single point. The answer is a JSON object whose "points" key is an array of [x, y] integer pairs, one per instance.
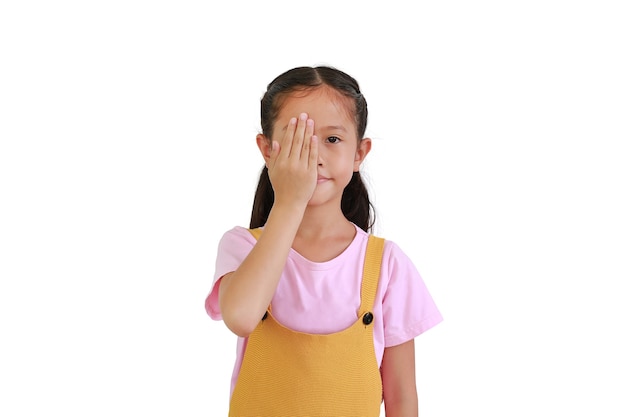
{"points": [[321, 179]]}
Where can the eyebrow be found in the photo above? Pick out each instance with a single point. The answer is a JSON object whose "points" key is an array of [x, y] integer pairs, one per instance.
{"points": [[332, 127], [337, 127]]}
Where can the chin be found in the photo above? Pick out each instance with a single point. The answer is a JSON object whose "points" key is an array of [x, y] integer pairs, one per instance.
{"points": [[322, 200]]}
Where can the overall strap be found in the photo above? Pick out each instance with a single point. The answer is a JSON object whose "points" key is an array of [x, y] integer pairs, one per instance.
{"points": [[256, 232], [371, 273]]}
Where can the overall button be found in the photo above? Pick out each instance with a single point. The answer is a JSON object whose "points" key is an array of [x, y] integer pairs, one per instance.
{"points": [[368, 318]]}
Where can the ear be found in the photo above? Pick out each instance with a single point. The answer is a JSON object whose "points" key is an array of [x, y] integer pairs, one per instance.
{"points": [[265, 146], [361, 152]]}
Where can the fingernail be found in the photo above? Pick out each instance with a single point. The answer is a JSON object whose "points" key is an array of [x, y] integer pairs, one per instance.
{"points": [[303, 116]]}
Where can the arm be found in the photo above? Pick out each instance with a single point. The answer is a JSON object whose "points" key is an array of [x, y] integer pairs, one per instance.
{"points": [[398, 375], [245, 294]]}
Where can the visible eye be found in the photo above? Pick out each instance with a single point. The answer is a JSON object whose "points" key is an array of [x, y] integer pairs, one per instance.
{"points": [[333, 139]]}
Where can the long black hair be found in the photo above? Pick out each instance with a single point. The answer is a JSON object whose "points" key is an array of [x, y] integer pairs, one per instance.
{"points": [[355, 201]]}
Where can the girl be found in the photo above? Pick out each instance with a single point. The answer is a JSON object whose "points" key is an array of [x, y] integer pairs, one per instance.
{"points": [[325, 312]]}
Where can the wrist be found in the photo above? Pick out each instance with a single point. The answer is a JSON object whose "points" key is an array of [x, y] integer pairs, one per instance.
{"points": [[289, 207], [285, 216]]}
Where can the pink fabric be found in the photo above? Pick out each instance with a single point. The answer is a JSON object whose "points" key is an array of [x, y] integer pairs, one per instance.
{"points": [[324, 297]]}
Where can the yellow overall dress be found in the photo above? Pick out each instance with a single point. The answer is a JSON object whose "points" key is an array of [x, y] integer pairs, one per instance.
{"points": [[286, 373]]}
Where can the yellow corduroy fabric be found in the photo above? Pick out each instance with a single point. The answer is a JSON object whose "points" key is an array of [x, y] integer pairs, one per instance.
{"points": [[286, 373]]}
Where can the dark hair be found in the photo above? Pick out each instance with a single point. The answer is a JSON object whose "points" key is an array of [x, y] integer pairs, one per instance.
{"points": [[355, 202]]}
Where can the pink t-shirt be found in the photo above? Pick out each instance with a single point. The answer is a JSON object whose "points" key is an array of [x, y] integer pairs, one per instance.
{"points": [[324, 297]]}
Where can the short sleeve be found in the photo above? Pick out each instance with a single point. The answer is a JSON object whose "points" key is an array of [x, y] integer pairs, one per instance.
{"points": [[408, 308], [232, 249]]}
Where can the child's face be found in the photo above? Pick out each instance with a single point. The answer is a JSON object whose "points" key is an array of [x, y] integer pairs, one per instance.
{"points": [[340, 153]]}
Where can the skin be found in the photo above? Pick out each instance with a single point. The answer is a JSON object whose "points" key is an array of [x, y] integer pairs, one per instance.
{"points": [[310, 158], [398, 375]]}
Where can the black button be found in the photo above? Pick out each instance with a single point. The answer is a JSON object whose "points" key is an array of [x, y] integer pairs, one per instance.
{"points": [[368, 318], [264, 316]]}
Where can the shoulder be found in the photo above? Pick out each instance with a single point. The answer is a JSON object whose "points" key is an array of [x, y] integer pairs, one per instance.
{"points": [[395, 255], [238, 233], [398, 271], [396, 264], [392, 253], [236, 238]]}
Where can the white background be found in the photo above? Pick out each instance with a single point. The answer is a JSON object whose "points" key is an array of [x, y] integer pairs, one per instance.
{"points": [[127, 148]]}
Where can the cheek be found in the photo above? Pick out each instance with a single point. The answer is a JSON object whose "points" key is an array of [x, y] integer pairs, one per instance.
{"points": [[347, 161]]}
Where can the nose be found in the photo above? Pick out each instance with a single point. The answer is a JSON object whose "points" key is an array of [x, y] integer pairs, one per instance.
{"points": [[320, 156]]}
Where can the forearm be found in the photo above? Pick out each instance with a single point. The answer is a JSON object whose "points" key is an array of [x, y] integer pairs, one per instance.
{"points": [[398, 375], [245, 294], [406, 408]]}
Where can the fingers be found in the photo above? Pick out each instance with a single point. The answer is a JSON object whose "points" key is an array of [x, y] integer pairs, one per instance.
{"points": [[297, 142], [288, 137], [293, 161], [313, 153], [298, 137], [306, 141]]}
